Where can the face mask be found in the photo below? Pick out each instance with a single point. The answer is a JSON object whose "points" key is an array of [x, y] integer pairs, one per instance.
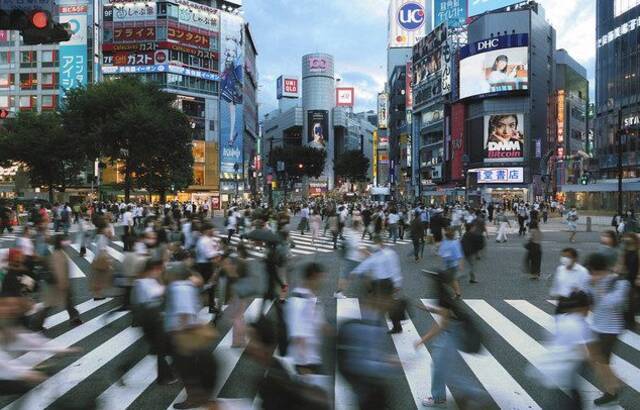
{"points": [[565, 261]]}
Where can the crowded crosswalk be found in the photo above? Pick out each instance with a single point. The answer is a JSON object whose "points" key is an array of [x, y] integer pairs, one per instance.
{"points": [[112, 371]]}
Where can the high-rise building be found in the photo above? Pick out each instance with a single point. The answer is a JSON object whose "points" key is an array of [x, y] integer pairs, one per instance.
{"points": [[35, 77], [203, 53], [617, 104]]}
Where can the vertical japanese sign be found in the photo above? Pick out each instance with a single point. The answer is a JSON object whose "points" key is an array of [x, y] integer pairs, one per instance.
{"points": [[231, 77], [73, 53]]}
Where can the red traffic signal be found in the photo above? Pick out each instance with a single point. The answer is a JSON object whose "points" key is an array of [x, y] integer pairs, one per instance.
{"points": [[40, 19]]}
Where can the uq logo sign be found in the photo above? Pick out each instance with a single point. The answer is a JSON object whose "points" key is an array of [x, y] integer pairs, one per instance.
{"points": [[411, 16]]}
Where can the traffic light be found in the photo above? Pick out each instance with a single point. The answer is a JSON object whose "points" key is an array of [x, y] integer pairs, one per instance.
{"points": [[36, 26]]}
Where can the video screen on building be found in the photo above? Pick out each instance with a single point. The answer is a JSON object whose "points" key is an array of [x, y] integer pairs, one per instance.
{"points": [[495, 65], [504, 137], [318, 128]]}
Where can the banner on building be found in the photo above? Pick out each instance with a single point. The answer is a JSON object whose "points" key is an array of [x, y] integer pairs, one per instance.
{"points": [[188, 37], [451, 12], [408, 22], [495, 65], [504, 138], [345, 96], [231, 82], [133, 11], [383, 110], [318, 128], [408, 96], [500, 175], [287, 87], [126, 34], [73, 53]]}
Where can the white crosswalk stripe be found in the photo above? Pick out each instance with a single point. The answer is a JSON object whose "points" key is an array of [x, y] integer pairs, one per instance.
{"points": [[488, 368]]}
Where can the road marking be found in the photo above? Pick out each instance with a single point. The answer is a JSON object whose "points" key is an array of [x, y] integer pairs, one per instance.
{"points": [[524, 344], [416, 363], [344, 398], [61, 317], [625, 371], [495, 379], [47, 392], [227, 356]]}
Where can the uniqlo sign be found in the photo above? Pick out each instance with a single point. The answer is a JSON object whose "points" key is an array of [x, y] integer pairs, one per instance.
{"points": [[287, 87]]}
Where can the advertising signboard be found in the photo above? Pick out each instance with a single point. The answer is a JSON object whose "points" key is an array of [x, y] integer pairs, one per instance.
{"points": [[431, 71], [480, 6], [124, 34], [73, 53], [187, 37], [495, 65], [134, 11], [504, 139], [231, 77], [198, 15], [383, 110], [287, 87], [451, 12], [317, 64], [318, 128], [407, 22], [120, 58], [345, 96], [500, 175], [408, 95]]}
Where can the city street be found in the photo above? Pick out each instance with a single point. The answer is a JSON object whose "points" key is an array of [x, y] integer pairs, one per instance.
{"points": [[513, 311]]}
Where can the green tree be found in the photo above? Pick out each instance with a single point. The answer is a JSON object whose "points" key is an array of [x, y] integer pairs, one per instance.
{"points": [[38, 141], [133, 122], [299, 160], [352, 165]]}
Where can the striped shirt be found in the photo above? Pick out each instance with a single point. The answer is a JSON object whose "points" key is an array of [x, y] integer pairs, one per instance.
{"points": [[610, 297]]}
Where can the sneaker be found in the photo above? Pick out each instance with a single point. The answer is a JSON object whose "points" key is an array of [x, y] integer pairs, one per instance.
{"points": [[473, 281], [606, 400], [431, 402], [339, 295]]}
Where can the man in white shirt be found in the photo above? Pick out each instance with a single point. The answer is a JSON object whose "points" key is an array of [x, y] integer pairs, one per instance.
{"points": [[305, 321], [382, 266], [127, 221], [207, 254], [570, 277], [304, 219]]}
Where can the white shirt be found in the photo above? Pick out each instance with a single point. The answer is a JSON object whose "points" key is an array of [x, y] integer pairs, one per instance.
{"points": [[147, 290], [304, 213], [384, 264], [182, 300], [393, 218], [206, 249], [354, 246], [572, 331], [127, 218], [566, 280], [25, 245], [304, 318]]}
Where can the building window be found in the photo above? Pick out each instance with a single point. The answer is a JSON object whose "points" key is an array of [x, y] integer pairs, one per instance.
{"points": [[6, 80], [49, 81], [6, 38], [6, 57], [49, 102], [28, 59], [27, 102], [50, 58], [6, 101], [28, 81]]}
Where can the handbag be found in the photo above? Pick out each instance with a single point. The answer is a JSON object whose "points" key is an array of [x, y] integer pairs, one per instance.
{"points": [[194, 339]]}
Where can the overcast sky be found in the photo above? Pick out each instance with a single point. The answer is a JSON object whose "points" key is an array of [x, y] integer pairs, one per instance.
{"points": [[355, 32]]}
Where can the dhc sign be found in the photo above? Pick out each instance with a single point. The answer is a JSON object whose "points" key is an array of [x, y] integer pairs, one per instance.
{"points": [[494, 43], [488, 44], [411, 16]]}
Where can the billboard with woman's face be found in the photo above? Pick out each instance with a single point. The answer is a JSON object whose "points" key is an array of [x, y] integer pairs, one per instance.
{"points": [[504, 138], [495, 65]]}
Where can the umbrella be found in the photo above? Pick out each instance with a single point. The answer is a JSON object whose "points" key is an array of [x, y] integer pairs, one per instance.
{"points": [[263, 235]]}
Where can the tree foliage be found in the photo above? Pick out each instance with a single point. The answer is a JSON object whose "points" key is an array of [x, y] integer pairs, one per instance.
{"points": [[38, 140], [352, 165], [135, 123], [311, 159]]}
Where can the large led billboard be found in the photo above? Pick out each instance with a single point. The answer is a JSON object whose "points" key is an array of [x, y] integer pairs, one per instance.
{"points": [[480, 6], [504, 138], [318, 128], [495, 65]]}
